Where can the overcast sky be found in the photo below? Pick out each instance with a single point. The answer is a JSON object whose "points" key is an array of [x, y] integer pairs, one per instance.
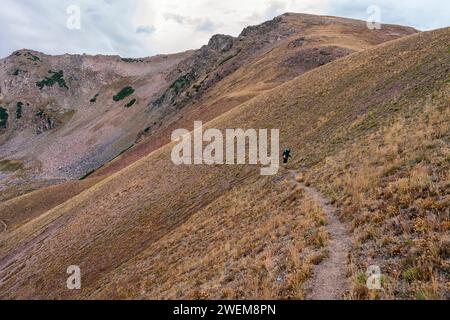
{"points": [[137, 28]]}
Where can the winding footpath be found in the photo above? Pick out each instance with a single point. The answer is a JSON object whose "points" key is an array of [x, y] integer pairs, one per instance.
{"points": [[329, 281]]}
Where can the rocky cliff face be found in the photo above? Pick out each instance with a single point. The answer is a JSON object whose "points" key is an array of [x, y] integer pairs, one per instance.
{"points": [[284, 48], [58, 113]]}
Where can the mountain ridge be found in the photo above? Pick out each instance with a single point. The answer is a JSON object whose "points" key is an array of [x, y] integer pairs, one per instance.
{"points": [[228, 233]]}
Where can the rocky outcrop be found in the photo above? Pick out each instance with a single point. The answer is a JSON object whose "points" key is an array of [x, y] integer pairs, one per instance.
{"points": [[44, 122], [263, 29], [221, 43]]}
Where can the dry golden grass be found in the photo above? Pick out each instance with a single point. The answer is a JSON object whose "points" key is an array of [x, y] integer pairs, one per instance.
{"points": [[256, 242], [20, 210], [395, 194]]}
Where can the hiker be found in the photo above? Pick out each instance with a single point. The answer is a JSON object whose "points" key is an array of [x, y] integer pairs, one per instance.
{"points": [[286, 155]]}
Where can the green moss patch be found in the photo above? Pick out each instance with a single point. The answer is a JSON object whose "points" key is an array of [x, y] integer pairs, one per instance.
{"points": [[32, 57], [125, 92], [3, 118], [182, 82], [56, 77], [131, 103]]}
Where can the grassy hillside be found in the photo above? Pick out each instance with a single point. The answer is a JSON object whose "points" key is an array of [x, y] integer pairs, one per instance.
{"points": [[207, 83], [263, 57], [374, 152], [226, 232], [81, 113], [20, 210]]}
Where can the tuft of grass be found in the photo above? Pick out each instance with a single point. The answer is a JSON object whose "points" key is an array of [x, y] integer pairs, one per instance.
{"points": [[411, 274], [361, 278], [94, 99], [10, 165], [131, 103], [19, 107]]}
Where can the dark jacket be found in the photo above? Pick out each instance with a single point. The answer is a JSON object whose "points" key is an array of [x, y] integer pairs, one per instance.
{"points": [[287, 154]]}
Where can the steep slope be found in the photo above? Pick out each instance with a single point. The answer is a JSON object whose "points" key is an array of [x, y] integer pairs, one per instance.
{"points": [[20, 210], [69, 115], [225, 231], [260, 59], [83, 128]]}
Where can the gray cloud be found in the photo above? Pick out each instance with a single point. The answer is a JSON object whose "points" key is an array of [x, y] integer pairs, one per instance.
{"points": [[423, 15], [175, 17], [145, 29], [106, 26], [198, 24]]}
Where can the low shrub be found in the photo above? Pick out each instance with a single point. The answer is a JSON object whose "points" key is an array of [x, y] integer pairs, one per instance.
{"points": [[125, 92], [3, 118], [56, 77], [130, 104], [94, 99], [19, 107]]}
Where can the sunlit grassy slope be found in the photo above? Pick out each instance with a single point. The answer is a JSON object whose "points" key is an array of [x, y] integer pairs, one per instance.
{"points": [[305, 42], [371, 131], [263, 57]]}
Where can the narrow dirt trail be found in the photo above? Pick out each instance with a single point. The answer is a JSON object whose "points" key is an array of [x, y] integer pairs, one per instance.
{"points": [[329, 281]]}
